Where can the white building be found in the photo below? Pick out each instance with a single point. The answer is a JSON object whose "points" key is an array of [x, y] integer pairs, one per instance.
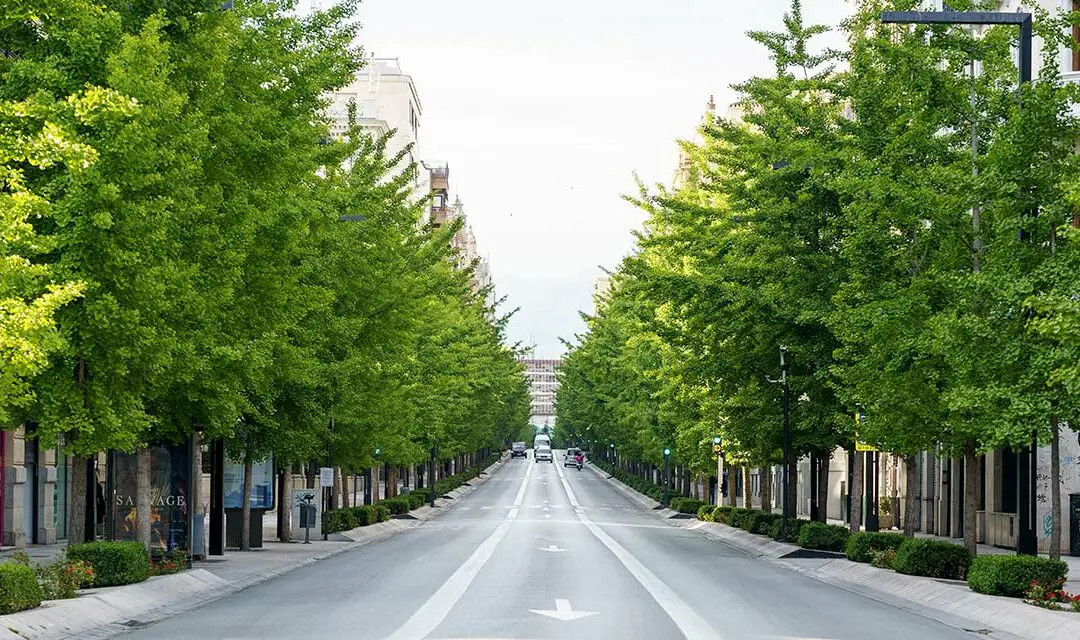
{"points": [[543, 384], [386, 100]]}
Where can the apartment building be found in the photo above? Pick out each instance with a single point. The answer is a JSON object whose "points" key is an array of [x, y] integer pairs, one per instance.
{"points": [[543, 385], [442, 211]]}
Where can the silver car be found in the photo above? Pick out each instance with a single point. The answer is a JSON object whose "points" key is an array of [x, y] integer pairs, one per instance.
{"points": [[543, 453]]}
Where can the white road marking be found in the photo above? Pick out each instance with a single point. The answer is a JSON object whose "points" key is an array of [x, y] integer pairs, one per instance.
{"points": [[432, 613], [693, 626], [563, 611], [554, 548]]}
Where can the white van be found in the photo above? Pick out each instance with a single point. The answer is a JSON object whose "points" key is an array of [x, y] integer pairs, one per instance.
{"points": [[541, 441]]}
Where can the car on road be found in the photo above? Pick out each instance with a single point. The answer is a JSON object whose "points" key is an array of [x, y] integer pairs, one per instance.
{"points": [[541, 441], [543, 452], [571, 457], [517, 450]]}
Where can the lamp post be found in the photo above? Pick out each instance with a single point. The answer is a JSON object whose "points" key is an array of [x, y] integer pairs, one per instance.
{"points": [[783, 382], [1026, 542], [667, 482]]}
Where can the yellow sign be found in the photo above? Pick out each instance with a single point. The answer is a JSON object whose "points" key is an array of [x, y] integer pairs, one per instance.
{"points": [[860, 417], [716, 449]]}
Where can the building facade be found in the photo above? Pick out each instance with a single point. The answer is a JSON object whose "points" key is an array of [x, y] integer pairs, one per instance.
{"points": [[543, 385], [442, 212], [386, 100]]}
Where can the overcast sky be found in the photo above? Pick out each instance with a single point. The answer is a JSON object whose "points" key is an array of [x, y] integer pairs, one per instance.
{"points": [[545, 110]]}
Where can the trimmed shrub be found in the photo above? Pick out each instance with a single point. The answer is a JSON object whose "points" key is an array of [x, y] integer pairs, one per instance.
{"points": [[416, 498], [396, 506], [761, 522], [884, 559], [705, 512], [722, 513], [825, 537], [114, 563], [932, 559], [1012, 576], [862, 546], [794, 526], [738, 516], [382, 514], [19, 588], [686, 505]]}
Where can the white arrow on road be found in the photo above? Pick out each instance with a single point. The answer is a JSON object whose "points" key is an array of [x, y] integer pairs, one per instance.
{"points": [[564, 612], [554, 548]]}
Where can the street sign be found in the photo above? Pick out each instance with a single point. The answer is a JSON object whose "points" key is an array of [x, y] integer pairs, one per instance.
{"points": [[326, 477], [716, 449], [860, 417]]}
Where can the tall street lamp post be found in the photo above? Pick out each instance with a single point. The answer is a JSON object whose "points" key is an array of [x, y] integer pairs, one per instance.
{"points": [[1026, 542], [783, 382], [667, 481]]}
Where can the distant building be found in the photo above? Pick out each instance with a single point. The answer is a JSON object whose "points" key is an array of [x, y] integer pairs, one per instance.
{"points": [[386, 100], [600, 290], [442, 211], [543, 384]]}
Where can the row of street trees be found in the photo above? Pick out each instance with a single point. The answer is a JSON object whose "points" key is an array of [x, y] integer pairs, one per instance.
{"points": [[174, 257], [889, 214]]}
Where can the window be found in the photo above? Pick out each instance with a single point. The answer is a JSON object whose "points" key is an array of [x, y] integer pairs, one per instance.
{"points": [[437, 202]]}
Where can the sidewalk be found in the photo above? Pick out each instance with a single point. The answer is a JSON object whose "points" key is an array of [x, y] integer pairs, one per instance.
{"points": [[103, 613], [948, 601]]}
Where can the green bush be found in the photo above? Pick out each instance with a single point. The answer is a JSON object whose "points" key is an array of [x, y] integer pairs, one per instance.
{"points": [[861, 546], [761, 522], [641, 485], [705, 512], [826, 537], [884, 559], [932, 559], [382, 514], [686, 505], [738, 515], [794, 526], [1008, 575], [722, 513], [114, 563], [396, 506], [416, 499], [19, 588]]}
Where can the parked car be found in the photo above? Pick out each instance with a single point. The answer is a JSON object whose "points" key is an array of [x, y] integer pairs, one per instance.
{"points": [[543, 452], [517, 450]]}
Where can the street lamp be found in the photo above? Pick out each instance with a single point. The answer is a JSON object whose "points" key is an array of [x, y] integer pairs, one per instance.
{"points": [[783, 381], [1026, 542]]}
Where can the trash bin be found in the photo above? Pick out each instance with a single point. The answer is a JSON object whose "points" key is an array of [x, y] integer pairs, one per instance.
{"points": [[233, 528]]}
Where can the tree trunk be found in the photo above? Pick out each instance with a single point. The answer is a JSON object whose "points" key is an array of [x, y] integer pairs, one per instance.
{"points": [[336, 490], [765, 479], [823, 487], [245, 511], [142, 497], [346, 489], [733, 477], [1055, 489], [391, 481], [856, 491], [79, 504], [911, 487], [747, 499], [971, 497]]}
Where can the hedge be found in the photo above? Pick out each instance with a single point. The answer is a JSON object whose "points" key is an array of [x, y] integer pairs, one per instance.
{"points": [[705, 513], [353, 517], [761, 522], [826, 537], [686, 505], [932, 559], [738, 515], [1009, 575], [19, 588], [794, 528], [397, 506], [114, 563], [639, 484], [862, 546], [722, 513]]}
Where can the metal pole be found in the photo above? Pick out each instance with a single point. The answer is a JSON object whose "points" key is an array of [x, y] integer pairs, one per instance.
{"points": [[667, 480], [431, 474], [217, 498], [787, 445]]}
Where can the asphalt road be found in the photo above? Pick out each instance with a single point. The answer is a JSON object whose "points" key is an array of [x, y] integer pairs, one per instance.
{"points": [[539, 551]]}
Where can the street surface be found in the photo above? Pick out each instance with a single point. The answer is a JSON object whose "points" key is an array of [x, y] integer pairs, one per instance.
{"points": [[542, 552]]}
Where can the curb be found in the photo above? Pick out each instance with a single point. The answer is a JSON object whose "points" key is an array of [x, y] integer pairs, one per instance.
{"points": [[949, 602], [101, 614]]}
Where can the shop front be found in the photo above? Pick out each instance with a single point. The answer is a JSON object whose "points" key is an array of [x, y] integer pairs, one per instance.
{"points": [[170, 506]]}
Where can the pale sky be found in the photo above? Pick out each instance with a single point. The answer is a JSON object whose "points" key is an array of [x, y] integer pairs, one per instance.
{"points": [[544, 111]]}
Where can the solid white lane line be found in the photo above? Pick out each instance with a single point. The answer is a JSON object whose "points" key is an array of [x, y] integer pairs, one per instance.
{"points": [[693, 626], [435, 610]]}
